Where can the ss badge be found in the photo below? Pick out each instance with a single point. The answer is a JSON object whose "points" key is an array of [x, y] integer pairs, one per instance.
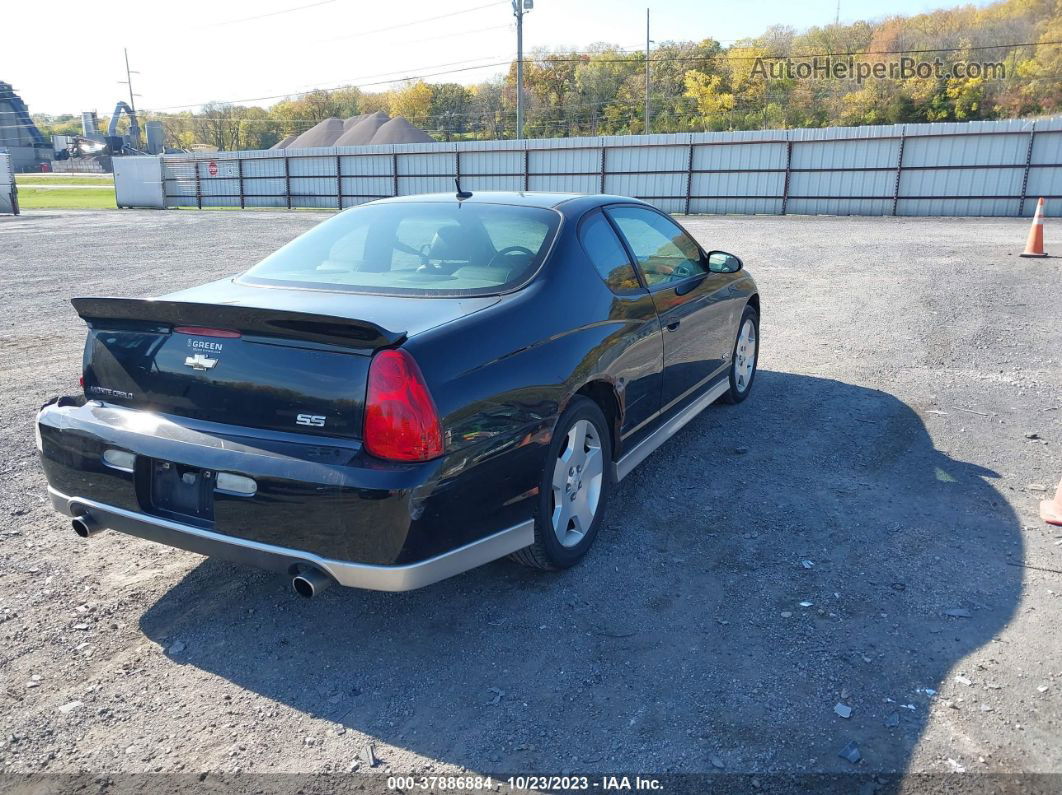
{"points": [[313, 420]]}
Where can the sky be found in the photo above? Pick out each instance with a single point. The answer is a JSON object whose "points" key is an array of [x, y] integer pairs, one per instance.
{"points": [[256, 51]]}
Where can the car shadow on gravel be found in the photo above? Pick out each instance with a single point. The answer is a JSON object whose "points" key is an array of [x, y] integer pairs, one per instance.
{"points": [[808, 548]]}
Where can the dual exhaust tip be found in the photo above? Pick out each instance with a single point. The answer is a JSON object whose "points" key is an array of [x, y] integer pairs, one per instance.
{"points": [[85, 526], [307, 583], [310, 582]]}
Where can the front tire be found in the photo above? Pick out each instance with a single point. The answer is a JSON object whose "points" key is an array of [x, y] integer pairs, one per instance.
{"points": [[745, 357], [574, 491]]}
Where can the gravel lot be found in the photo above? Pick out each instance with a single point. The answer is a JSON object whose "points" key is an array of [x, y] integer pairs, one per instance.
{"points": [[862, 532]]}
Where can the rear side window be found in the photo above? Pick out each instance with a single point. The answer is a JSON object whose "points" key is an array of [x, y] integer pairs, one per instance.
{"points": [[664, 252], [607, 254], [415, 248]]}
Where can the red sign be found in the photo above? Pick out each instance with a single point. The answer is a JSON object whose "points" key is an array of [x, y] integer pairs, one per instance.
{"points": [[212, 167]]}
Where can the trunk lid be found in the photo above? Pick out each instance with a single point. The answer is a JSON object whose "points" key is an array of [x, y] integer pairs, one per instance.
{"points": [[283, 360]]}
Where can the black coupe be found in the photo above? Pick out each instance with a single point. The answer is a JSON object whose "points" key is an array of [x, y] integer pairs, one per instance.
{"points": [[414, 387]]}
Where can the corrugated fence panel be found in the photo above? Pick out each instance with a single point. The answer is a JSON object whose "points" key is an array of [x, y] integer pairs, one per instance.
{"points": [[966, 150], [492, 163], [975, 168], [567, 183], [744, 157], [1042, 180], [263, 167], [846, 206], [1047, 148], [312, 166], [492, 183], [561, 161], [851, 154], [443, 164], [842, 184], [963, 182], [366, 165], [646, 185], [957, 207], [409, 186], [647, 160], [727, 206], [376, 187], [760, 184]]}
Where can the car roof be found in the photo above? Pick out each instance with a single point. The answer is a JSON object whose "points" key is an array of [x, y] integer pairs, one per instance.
{"points": [[582, 201]]}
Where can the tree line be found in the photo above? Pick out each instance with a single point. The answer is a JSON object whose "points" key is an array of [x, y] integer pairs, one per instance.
{"points": [[702, 85]]}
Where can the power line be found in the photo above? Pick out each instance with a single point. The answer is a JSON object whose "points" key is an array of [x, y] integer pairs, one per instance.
{"points": [[264, 16], [361, 33]]}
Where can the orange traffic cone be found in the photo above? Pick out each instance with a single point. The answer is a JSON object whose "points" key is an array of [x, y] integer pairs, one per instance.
{"points": [[1034, 246], [1051, 510]]}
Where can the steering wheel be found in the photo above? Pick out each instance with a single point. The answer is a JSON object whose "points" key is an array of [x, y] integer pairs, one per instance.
{"points": [[680, 272], [509, 250]]}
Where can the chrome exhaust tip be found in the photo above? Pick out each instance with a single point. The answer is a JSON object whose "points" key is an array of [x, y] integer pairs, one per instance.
{"points": [[85, 526], [309, 583]]}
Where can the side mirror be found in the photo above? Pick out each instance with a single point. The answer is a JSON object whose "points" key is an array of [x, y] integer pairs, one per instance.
{"points": [[722, 262]]}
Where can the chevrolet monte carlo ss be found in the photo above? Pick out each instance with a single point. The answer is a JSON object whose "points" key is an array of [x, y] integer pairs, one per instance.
{"points": [[412, 388]]}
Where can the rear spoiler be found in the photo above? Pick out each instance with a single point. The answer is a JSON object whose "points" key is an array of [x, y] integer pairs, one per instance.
{"points": [[343, 331]]}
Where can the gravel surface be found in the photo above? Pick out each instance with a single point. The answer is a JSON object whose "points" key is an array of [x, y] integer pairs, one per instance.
{"points": [[853, 555]]}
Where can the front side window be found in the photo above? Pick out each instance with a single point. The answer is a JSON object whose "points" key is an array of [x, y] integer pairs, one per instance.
{"points": [[607, 254], [415, 248], [664, 252]]}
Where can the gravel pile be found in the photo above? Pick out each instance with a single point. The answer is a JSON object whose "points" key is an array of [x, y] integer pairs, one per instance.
{"points": [[285, 142], [363, 132], [324, 133], [400, 131]]}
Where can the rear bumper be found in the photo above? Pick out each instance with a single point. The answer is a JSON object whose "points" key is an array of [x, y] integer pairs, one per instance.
{"points": [[319, 502], [292, 561]]}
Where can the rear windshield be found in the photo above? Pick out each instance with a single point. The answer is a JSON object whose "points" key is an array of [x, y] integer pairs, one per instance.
{"points": [[416, 248]]}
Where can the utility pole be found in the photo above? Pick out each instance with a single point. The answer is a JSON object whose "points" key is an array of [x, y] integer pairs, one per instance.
{"points": [[132, 97], [129, 80], [520, 7], [647, 71]]}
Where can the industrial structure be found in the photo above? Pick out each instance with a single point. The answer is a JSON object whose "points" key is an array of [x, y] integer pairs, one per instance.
{"points": [[19, 136]]}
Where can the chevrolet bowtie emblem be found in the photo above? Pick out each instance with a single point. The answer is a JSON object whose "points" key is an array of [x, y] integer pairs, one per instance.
{"points": [[199, 362]]}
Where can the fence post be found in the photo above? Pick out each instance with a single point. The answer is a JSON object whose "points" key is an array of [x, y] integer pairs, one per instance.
{"points": [[287, 179], [899, 169], [198, 189], [394, 173], [239, 174], [689, 176], [788, 168], [1025, 176], [339, 183]]}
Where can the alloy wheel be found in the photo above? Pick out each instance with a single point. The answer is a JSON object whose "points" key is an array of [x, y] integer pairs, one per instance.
{"points": [[745, 355], [577, 478]]}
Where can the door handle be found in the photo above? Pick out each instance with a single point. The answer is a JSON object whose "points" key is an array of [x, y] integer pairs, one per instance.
{"points": [[673, 326]]}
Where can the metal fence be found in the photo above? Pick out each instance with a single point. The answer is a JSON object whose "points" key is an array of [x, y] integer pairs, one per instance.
{"points": [[8, 193], [976, 168]]}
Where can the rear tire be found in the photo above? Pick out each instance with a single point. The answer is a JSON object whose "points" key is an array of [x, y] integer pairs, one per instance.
{"points": [[574, 490], [745, 357]]}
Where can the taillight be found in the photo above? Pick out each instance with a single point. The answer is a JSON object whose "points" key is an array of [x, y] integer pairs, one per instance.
{"points": [[401, 422]]}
